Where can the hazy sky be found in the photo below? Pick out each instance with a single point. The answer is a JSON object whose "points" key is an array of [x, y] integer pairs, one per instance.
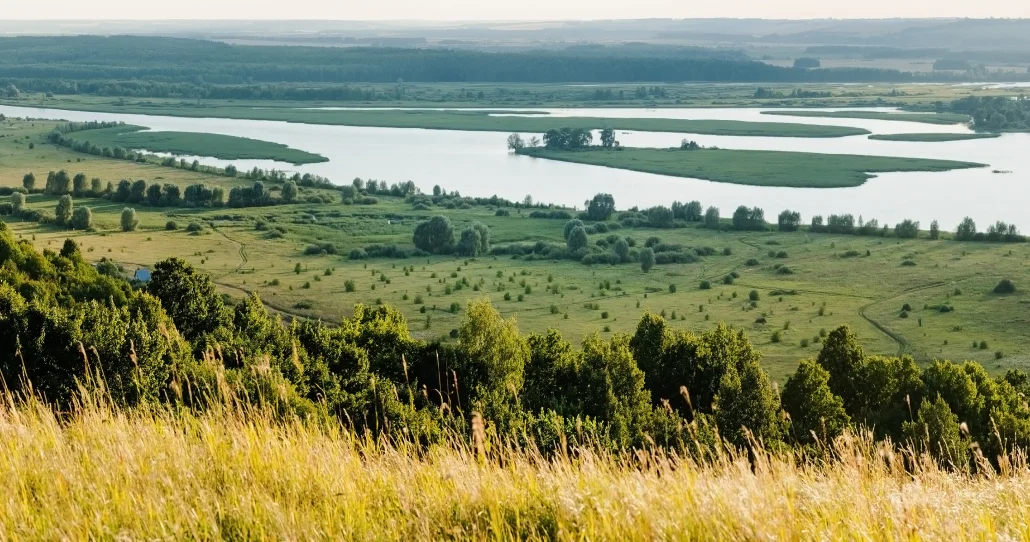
{"points": [[500, 10]]}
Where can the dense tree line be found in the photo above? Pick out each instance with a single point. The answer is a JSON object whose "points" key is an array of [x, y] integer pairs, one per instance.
{"points": [[64, 322], [66, 61], [995, 113]]}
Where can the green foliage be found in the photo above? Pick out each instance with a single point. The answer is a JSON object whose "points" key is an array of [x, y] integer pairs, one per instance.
{"points": [[1006, 286], [435, 235], [843, 359], [746, 405], [577, 238], [815, 412], [647, 259], [129, 220], [712, 218], [63, 211], [82, 218], [936, 431], [601, 207]]}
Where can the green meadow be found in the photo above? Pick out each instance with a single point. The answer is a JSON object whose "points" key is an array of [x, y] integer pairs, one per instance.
{"points": [[195, 144], [926, 118], [751, 167], [932, 138]]}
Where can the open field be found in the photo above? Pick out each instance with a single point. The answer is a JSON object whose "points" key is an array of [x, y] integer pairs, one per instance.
{"points": [[858, 281], [932, 138], [927, 118], [195, 144], [149, 474], [751, 167], [484, 121]]}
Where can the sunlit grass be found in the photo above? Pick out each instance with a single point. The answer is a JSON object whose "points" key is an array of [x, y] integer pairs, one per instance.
{"points": [[103, 473]]}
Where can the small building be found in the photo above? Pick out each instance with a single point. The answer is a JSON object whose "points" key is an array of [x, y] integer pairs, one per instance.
{"points": [[142, 274]]}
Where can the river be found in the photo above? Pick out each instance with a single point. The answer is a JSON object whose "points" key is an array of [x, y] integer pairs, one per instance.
{"points": [[477, 163]]}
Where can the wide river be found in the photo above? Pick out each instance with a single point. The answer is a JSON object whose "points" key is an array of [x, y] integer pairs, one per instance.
{"points": [[478, 164]]}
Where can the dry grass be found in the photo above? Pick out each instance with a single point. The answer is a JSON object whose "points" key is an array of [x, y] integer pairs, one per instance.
{"points": [[107, 473]]}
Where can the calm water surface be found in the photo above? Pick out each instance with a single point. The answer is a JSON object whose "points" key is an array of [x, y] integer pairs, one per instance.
{"points": [[477, 163]]}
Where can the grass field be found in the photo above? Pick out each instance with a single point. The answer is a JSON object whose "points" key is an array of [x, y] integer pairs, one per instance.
{"points": [[751, 167], [195, 144], [858, 281], [926, 118], [484, 121], [932, 138], [146, 474]]}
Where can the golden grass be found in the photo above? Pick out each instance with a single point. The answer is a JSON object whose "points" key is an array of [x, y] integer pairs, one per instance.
{"points": [[107, 473]]}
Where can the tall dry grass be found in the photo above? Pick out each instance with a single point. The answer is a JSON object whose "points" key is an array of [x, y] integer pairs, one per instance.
{"points": [[106, 473]]}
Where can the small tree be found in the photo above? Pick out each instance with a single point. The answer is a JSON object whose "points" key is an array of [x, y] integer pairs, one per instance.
{"points": [[469, 244], [435, 235], [129, 219], [290, 192], [936, 431], [82, 218], [660, 217], [516, 143], [484, 237], [577, 238], [935, 230], [815, 412], [569, 226], [63, 211], [608, 138], [646, 259], [601, 207], [907, 229], [789, 221], [17, 202], [622, 249], [79, 185], [712, 218], [28, 181], [966, 230]]}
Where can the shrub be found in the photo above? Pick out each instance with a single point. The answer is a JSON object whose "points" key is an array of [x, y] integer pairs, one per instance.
{"points": [[781, 254], [752, 262], [193, 227], [129, 219], [647, 259], [705, 285], [82, 218], [435, 235], [906, 307], [728, 279], [753, 295], [349, 286], [672, 288], [63, 211], [1006, 286], [171, 225], [784, 270]]}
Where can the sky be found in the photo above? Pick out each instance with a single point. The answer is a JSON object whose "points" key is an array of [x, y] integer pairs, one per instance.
{"points": [[454, 10]]}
